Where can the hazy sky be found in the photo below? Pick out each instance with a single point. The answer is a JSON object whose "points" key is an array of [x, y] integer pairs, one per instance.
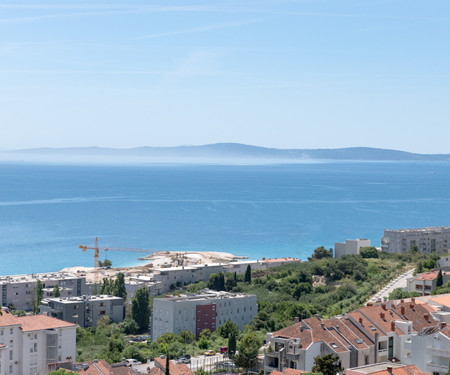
{"points": [[303, 74]]}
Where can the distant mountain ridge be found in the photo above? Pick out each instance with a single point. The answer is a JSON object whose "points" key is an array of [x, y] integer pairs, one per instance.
{"points": [[241, 151]]}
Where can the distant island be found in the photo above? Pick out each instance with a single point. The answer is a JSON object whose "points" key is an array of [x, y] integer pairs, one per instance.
{"points": [[211, 153]]}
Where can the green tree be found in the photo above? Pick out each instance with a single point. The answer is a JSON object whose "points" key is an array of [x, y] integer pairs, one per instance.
{"points": [[228, 329], [328, 364], [95, 290], [320, 253], [439, 279], [368, 252], [129, 326], [231, 345], [300, 289], [248, 350], [248, 275], [37, 296], [140, 309], [56, 293], [119, 286], [399, 293], [186, 337], [167, 364], [61, 371], [106, 263], [201, 371]]}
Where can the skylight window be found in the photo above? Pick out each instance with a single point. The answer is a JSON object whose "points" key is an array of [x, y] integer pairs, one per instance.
{"points": [[333, 345], [359, 341], [372, 328]]}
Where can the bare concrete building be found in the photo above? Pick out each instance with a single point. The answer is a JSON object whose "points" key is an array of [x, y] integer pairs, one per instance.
{"points": [[349, 247], [427, 240], [209, 309], [18, 290], [85, 310]]}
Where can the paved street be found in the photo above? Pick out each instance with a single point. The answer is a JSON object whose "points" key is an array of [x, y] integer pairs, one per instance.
{"points": [[399, 282]]}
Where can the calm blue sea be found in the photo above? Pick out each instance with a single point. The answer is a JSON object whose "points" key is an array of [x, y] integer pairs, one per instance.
{"points": [[47, 211]]}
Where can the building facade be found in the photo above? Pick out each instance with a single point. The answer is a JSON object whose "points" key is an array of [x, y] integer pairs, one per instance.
{"points": [[427, 240], [208, 309], [349, 247], [35, 344], [18, 290], [425, 283], [371, 334], [85, 310]]}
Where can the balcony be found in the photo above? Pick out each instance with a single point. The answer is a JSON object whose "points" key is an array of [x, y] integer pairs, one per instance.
{"points": [[436, 367], [438, 350]]}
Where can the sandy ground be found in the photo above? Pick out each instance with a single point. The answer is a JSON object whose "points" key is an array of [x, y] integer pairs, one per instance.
{"points": [[157, 260]]}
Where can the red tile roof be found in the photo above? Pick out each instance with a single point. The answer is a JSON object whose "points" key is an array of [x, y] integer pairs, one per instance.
{"points": [[101, 367], [404, 370], [8, 319], [175, 368], [40, 322], [274, 260], [288, 371]]}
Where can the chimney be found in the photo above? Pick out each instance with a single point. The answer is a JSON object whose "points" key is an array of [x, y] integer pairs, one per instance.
{"points": [[393, 325], [382, 316], [369, 304], [426, 316], [383, 306], [296, 319], [402, 301], [389, 370], [402, 310], [360, 320], [411, 306], [413, 299], [338, 328], [301, 328], [322, 325], [443, 325]]}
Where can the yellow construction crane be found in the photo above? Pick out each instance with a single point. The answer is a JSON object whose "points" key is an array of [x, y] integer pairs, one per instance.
{"points": [[97, 249]]}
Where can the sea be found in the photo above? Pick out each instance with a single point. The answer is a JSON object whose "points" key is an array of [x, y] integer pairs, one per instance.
{"points": [[48, 210]]}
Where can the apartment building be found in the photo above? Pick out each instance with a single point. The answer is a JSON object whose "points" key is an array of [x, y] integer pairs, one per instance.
{"points": [[430, 350], [85, 310], [425, 283], [371, 334], [427, 240], [195, 312], [35, 344], [18, 290], [349, 247]]}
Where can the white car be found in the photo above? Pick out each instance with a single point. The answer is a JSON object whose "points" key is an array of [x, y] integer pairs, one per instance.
{"points": [[132, 361]]}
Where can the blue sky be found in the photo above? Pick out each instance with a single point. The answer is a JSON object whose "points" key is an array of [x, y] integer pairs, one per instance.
{"points": [[288, 74]]}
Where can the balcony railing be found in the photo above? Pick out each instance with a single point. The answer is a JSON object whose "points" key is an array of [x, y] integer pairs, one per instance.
{"points": [[438, 350]]}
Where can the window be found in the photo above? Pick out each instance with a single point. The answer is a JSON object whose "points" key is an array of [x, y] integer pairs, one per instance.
{"points": [[10, 355], [372, 328], [10, 331], [102, 312], [358, 341], [333, 345]]}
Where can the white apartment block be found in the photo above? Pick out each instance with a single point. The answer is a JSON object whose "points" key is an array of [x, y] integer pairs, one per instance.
{"points": [[371, 334], [428, 240], [430, 351], [349, 247], [85, 310], [209, 309], [18, 290], [35, 344]]}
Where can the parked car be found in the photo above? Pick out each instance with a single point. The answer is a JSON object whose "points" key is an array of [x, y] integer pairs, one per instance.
{"points": [[209, 353], [132, 361], [183, 360]]}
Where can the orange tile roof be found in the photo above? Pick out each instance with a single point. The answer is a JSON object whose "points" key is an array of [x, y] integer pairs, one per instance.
{"points": [[427, 276], [175, 368], [443, 300], [404, 370], [8, 319], [418, 314], [274, 260], [40, 322], [101, 367], [291, 371]]}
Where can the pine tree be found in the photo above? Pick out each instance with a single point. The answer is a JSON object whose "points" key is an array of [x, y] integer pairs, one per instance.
{"points": [[232, 345], [37, 296], [439, 279], [56, 293], [119, 286], [248, 275], [167, 364], [140, 310]]}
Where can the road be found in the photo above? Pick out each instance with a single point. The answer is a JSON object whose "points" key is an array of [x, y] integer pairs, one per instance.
{"points": [[399, 282]]}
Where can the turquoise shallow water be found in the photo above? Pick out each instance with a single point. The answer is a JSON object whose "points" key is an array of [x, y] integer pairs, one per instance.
{"points": [[46, 211]]}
